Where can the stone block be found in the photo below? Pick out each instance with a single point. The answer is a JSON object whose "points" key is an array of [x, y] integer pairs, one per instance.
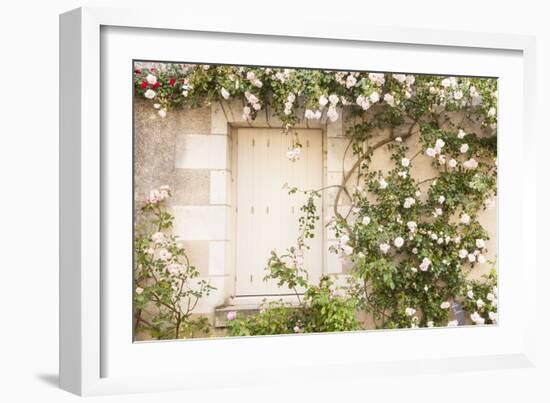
{"points": [[201, 151], [219, 119], [197, 252], [336, 149], [200, 223], [217, 257], [219, 187]]}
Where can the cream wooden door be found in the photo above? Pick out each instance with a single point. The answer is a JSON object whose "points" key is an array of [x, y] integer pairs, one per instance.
{"points": [[267, 216]]}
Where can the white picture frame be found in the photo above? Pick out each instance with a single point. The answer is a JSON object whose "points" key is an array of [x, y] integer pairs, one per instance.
{"points": [[86, 346]]}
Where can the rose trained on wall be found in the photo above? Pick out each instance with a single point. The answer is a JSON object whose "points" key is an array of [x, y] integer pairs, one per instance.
{"points": [[410, 242]]}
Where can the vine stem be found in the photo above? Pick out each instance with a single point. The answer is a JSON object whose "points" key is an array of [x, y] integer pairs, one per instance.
{"points": [[357, 164]]}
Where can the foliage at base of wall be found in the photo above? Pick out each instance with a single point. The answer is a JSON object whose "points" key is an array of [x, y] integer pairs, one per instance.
{"points": [[320, 310]]}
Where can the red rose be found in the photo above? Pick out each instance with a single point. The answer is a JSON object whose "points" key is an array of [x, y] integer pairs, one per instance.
{"points": [[156, 85], [137, 71], [153, 70], [143, 84], [172, 82]]}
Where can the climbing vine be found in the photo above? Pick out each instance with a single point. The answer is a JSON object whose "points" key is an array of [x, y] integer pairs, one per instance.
{"points": [[410, 241]]}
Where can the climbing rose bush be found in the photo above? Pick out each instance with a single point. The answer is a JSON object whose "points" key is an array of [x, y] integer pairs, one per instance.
{"points": [[166, 290], [410, 242]]}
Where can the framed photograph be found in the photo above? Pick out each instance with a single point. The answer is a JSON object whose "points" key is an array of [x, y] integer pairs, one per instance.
{"points": [[239, 207]]}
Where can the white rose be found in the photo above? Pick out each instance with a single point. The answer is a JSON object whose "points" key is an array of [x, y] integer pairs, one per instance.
{"points": [[384, 247], [410, 311], [461, 134], [333, 98], [383, 184], [294, 154], [377, 78], [465, 218], [480, 243], [253, 99], [439, 144], [366, 220], [149, 94], [477, 319], [471, 257], [464, 148], [409, 202], [462, 253], [405, 162], [164, 254], [430, 323], [225, 93], [430, 152], [412, 226], [470, 294], [481, 259], [425, 264], [162, 113], [151, 79], [400, 77], [480, 304], [374, 97], [446, 83], [139, 290], [309, 114], [398, 242], [351, 81], [390, 100], [492, 111], [452, 163], [470, 164], [348, 250], [323, 100], [441, 199], [458, 95], [445, 305]]}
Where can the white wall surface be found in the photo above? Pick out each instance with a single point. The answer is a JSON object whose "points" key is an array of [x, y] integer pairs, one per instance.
{"points": [[28, 202]]}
